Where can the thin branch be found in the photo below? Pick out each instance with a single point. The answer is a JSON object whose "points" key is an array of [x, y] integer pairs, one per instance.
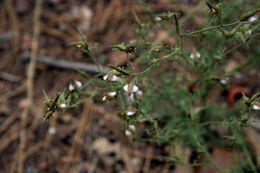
{"points": [[30, 86], [214, 27], [68, 65], [210, 28]]}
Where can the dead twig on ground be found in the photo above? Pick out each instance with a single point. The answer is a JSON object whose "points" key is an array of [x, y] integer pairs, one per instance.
{"points": [[147, 162], [68, 65], [11, 135], [30, 86], [10, 77], [9, 121]]}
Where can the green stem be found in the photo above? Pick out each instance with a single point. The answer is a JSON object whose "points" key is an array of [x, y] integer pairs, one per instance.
{"points": [[244, 147], [205, 151], [215, 27], [241, 44], [210, 28], [213, 122], [166, 57]]}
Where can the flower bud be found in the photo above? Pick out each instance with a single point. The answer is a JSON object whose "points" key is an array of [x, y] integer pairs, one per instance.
{"points": [[109, 96], [71, 87], [130, 113], [62, 105], [132, 127], [256, 107], [195, 55], [128, 133], [78, 84]]}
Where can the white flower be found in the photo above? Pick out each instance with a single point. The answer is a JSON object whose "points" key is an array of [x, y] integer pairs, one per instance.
{"points": [[195, 55], [78, 84], [223, 81], [253, 18], [126, 88], [63, 105], [130, 113], [112, 78], [139, 93], [128, 133], [130, 98], [104, 98], [158, 19], [71, 87], [52, 130], [132, 127], [111, 94], [105, 77], [256, 107], [115, 78], [249, 32]]}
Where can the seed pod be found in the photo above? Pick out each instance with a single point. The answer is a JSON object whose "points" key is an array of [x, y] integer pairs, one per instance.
{"points": [[212, 8]]}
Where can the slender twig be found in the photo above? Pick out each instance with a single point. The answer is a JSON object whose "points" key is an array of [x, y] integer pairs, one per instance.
{"points": [[241, 44], [157, 61], [214, 27], [209, 28], [69, 65], [10, 77], [30, 85], [205, 151]]}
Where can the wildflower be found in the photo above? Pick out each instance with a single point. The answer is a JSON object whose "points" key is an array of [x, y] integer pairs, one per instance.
{"points": [[110, 95], [132, 127], [253, 18], [128, 133], [130, 130], [131, 112], [130, 88], [78, 84], [62, 105], [104, 98], [256, 107], [71, 87], [195, 55], [105, 77], [111, 77], [223, 81], [139, 93], [131, 98], [126, 88], [158, 19]]}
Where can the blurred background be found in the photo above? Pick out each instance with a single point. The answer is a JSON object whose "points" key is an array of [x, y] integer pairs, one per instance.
{"points": [[87, 139]]}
